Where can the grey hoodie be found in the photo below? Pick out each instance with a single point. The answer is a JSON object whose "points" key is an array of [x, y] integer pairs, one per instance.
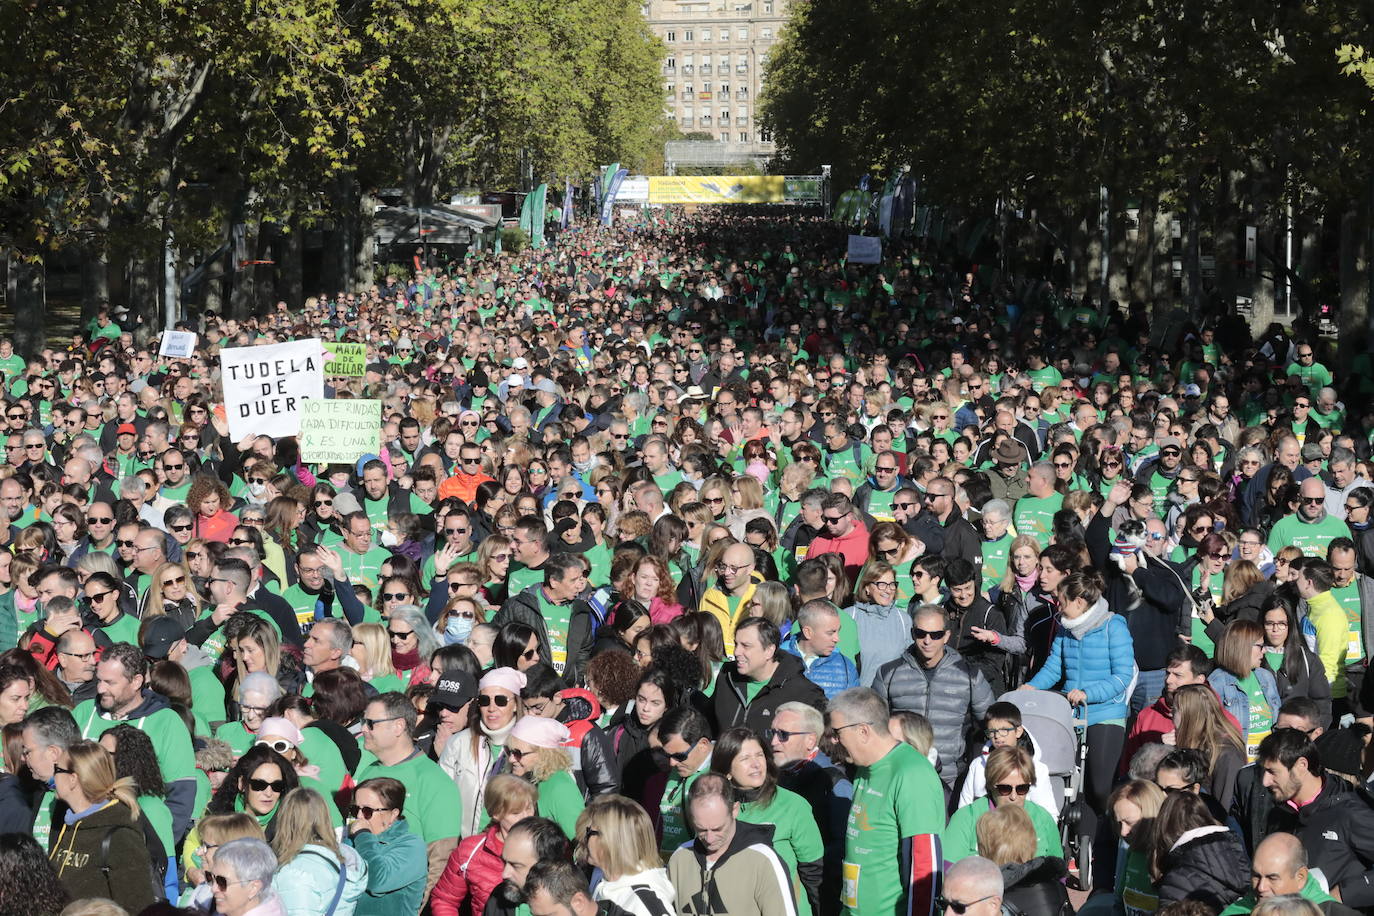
{"points": [[884, 632]]}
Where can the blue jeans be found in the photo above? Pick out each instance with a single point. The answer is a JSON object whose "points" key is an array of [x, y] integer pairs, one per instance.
{"points": [[1148, 688]]}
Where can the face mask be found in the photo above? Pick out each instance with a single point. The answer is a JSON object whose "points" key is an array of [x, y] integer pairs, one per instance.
{"points": [[459, 628], [389, 538], [583, 467], [257, 489]]}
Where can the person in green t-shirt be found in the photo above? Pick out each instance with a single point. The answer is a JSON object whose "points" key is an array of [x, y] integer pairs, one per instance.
{"points": [[891, 856], [1034, 513]]}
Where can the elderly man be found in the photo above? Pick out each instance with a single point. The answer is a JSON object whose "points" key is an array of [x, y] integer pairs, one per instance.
{"points": [[973, 887], [1311, 529], [891, 858], [1344, 478]]}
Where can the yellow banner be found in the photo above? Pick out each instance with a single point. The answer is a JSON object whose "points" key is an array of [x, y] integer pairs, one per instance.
{"points": [[716, 189]]}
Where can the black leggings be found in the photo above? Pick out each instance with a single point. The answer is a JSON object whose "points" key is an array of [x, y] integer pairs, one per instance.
{"points": [[1105, 743]]}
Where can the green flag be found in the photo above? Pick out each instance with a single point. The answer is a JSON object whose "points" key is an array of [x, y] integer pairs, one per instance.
{"points": [[538, 213]]}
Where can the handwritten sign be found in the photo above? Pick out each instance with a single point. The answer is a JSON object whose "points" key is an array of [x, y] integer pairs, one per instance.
{"points": [[177, 344], [346, 359], [264, 387], [340, 432], [865, 249]]}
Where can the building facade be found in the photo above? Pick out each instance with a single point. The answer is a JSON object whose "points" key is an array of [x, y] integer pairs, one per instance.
{"points": [[713, 69]]}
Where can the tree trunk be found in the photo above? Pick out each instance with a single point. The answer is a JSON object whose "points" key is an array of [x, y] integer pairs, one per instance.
{"points": [[28, 297], [1355, 253], [1227, 237], [242, 253], [1143, 252], [291, 265], [365, 248], [340, 238]]}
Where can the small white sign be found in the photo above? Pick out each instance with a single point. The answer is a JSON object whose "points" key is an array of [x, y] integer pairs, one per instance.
{"points": [[865, 249], [177, 344]]}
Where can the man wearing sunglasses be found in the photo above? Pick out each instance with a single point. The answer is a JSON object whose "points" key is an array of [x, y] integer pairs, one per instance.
{"points": [[973, 887], [1311, 529], [432, 799], [685, 743], [938, 682]]}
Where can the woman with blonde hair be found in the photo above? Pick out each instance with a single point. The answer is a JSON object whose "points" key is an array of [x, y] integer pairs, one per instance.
{"points": [[1134, 807], [372, 652], [884, 626], [715, 495], [100, 805], [773, 601], [536, 752], [257, 647], [1246, 688], [1200, 724], [213, 831], [615, 836], [171, 594], [494, 560], [475, 865], [1244, 593], [1033, 884], [1009, 775], [315, 874]]}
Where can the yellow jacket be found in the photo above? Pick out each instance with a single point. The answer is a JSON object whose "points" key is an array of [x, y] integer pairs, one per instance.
{"points": [[714, 601]]}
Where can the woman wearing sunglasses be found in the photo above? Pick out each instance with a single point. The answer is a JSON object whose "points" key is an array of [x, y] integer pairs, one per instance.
{"points": [[170, 595], [205, 839], [397, 861], [536, 752], [99, 803], [475, 754], [282, 736], [256, 785], [1010, 774]]}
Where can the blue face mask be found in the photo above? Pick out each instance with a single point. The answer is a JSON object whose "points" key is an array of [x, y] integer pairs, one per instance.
{"points": [[458, 628]]}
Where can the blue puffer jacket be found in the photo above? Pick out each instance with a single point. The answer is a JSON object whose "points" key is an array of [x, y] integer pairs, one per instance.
{"points": [[832, 673], [1100, 662]]}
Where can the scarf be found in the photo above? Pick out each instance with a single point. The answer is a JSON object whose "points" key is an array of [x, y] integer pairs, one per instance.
{"points": [[1080, 625], [405, 661], [1026, 583]]}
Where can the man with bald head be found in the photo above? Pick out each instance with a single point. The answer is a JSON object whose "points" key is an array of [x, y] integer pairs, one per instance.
{"points": [[1279, 869], [973, 887], [150, 552], [1311, 529], [729, 598]]}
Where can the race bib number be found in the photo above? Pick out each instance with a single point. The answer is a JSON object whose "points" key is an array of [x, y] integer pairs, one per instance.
{"points": [[1252, 743], [560, 658], [849, 892]]}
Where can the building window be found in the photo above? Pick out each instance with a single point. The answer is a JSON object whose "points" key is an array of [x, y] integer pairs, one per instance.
{"points": [[706, 88], [687, 35], [744, 136], [705, 69], [688, 69], [725, 116], [766, 34], [765, 136], [670, 63], [705, 34], [743, 34], [670, 36], [672, 88], [725, 136]]}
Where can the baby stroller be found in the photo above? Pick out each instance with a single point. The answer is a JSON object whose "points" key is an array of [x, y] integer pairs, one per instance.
{"points": [[1060, 739]]}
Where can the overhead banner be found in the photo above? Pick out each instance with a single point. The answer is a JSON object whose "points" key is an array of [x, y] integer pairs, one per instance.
{"points": [[264, 387], [716, 189], [865, 249], [345, 359], [177, 344], [801, 190], [340, 432], [608, 202]]}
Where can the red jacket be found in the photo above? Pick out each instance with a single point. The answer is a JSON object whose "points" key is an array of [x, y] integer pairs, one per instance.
{"points": [[852, 546], [1153, 723], [472, 873]]}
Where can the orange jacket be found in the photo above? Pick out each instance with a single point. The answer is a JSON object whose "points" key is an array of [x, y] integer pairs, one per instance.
{"points": [[463, 486]]}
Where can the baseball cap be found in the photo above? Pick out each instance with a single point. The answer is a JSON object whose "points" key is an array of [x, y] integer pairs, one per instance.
{"points": [[160, 634], [126, 429], [454, 690], [346, 504]]}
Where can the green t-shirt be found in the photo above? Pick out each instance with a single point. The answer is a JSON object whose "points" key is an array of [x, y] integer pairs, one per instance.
{"points": [[236, 736], [1348, 598], [996, 554], [207, 694], [432, 801], [124, 628], [171, 739], [1312, 538], [1261, 716], [522, 577], [560, 800], [796, 837], [900, 796], [557, 618], [1035, 517], [671, 812], [1137, 891], [365, 569], [960, 839]]}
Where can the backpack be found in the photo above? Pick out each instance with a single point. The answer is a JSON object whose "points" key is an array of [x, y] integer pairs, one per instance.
{"points": [[157, 857]]}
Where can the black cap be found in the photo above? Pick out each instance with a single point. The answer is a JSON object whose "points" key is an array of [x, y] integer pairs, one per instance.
{"points": [[455, 690], [160, 634], [478, 379]]}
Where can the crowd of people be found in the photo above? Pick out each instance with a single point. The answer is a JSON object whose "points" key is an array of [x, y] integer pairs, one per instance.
{"points": [[699, 572]]}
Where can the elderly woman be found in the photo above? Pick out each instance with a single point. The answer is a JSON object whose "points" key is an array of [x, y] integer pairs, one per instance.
{"points": [[396, 859], [536, 751], [244, 869], [413, 641], [255, 694], [474, 867]]}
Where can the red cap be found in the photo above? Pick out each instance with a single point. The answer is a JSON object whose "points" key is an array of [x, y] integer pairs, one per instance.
{"points": [[128, 428]]}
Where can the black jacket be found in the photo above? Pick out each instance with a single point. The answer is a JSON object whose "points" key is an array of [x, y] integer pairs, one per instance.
{"points": [[1337, 830], [927, 528], [1151, 599], [1308, 680], [962, 540], [1208, 865], [524, 608], [598, 771], [731, 706], [987, 658], [1037, 886]]}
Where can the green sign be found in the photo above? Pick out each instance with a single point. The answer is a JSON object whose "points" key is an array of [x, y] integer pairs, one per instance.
{"points": [[345, 358], [340, 432]]}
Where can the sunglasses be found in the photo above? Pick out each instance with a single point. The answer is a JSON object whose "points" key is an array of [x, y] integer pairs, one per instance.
{"points": [[220, 881], [398, 636], [365, 811], [102, 520], [944, 903], [280, 745], [1006, 790], [276, 786], [501, 700], [917, 633], [181, 527]]}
